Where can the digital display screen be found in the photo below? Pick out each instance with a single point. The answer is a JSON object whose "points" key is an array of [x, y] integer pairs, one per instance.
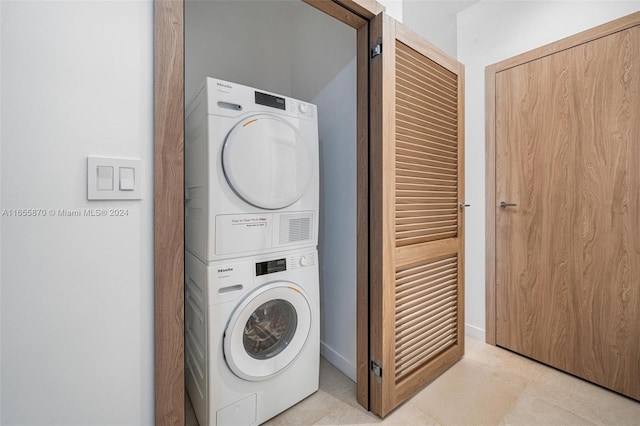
{"points": [[271, 266], [270, 101]]}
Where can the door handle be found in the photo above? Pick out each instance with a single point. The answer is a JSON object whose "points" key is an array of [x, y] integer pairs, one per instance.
{"points": [[504, 204], [463, 205]]}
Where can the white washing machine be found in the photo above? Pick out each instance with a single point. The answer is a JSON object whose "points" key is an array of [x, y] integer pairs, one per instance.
{"points": [[252, 337], [251, 172]]}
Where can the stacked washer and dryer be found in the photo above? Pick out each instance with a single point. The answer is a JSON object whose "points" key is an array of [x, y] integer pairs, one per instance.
{"points": [[252, 333]]}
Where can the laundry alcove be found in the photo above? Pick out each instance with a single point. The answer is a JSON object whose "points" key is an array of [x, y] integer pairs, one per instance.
{"points": [[390, 118], [283, 47]]}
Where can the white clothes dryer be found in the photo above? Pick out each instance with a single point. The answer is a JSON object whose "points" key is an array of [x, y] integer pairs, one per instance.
{"points": [[252, 336], [251, 172]]}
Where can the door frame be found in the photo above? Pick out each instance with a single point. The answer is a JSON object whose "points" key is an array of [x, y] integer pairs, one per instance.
{"points": [[491, 207], [169, 198]]}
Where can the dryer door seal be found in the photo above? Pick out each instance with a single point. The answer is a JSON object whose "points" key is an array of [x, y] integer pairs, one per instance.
{"points": [[267, 331], [266, 162]]}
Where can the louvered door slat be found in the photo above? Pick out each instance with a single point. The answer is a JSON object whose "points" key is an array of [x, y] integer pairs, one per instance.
{"points": [[438, 116], [411, 280], [412, 98], [434, 96], [416, 328], [421, 150], [424, 75], [428, 67], [409, 131], [427, 145], [425, 83], [417, 156], [412, 184], [410, 119], [424, 153]]}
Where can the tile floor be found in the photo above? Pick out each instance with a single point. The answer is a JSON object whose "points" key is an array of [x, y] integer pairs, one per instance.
{"points": [[489, 386]]}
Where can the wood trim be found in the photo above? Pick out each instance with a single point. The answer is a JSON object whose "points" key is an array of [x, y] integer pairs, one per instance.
{"points": [[343, 10], [381, 215], [362, 273], [462, 211], [422, 46], [169, 211], [567, 43], [490, 206], [387, 193], [408, 255], [600, 31], [366, 8], [339, 12], [415, 382]]}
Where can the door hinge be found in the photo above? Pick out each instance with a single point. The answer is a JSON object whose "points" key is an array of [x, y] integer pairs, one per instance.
{"points": [[376, 50], [376, 369]]}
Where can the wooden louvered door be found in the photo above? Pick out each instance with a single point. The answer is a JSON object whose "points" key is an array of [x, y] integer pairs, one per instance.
{"points": [[417, 244]]}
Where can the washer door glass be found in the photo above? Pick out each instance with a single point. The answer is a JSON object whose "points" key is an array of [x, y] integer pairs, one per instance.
{"points": [[266, 162], [270, 329], [267, 331]]}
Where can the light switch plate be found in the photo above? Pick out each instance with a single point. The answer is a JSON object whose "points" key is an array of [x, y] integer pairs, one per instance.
{"points": [[120, 189]]}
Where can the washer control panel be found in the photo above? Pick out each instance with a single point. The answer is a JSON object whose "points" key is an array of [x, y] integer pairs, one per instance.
{"points": [[302, 260], [271, 266]]}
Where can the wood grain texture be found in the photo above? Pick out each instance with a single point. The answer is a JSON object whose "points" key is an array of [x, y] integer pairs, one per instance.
{"points": [[355, 13], [429, 226], [365, 8], [169, 212], [339, 12], [459, 349], [568, 256], [417, 150], [426, 313], [381, 190], [570, 42], [426, 194], [415, 254], [490, 206], [422, 46]]}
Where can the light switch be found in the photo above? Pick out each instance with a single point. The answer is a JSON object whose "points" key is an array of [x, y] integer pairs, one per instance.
{"points": [[112, 178], [105, 178], [127, 179]]}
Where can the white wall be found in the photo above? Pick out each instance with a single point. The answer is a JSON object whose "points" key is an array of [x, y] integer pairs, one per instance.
{"points": [[435, 20], [77, 292], [233, 41], [337, 241], [489, 32], [394, 8]]}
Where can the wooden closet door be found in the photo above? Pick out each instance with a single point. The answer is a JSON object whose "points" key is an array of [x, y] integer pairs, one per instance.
{"points": [[416, 239], [568, 255]]}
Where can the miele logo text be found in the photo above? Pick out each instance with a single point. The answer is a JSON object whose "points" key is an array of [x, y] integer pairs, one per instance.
{"points": [[225, 270], [228, 86]]}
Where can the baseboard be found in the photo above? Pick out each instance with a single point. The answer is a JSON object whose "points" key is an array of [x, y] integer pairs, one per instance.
{"points": [[475, 332], [341, 363]]}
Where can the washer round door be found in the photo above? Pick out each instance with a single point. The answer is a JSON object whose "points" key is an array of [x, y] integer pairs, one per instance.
{"points": [[267, 331], [266, 162]]}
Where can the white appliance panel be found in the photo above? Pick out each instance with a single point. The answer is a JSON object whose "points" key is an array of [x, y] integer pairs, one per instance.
{"points": [[249, 152], [226, 293]]}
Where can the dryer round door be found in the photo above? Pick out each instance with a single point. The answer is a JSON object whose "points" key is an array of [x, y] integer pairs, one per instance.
{"points": [[266, 162], [267, 331]]}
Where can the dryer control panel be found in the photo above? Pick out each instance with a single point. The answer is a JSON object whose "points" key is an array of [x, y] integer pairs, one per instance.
{"points": [[232, 99]]}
